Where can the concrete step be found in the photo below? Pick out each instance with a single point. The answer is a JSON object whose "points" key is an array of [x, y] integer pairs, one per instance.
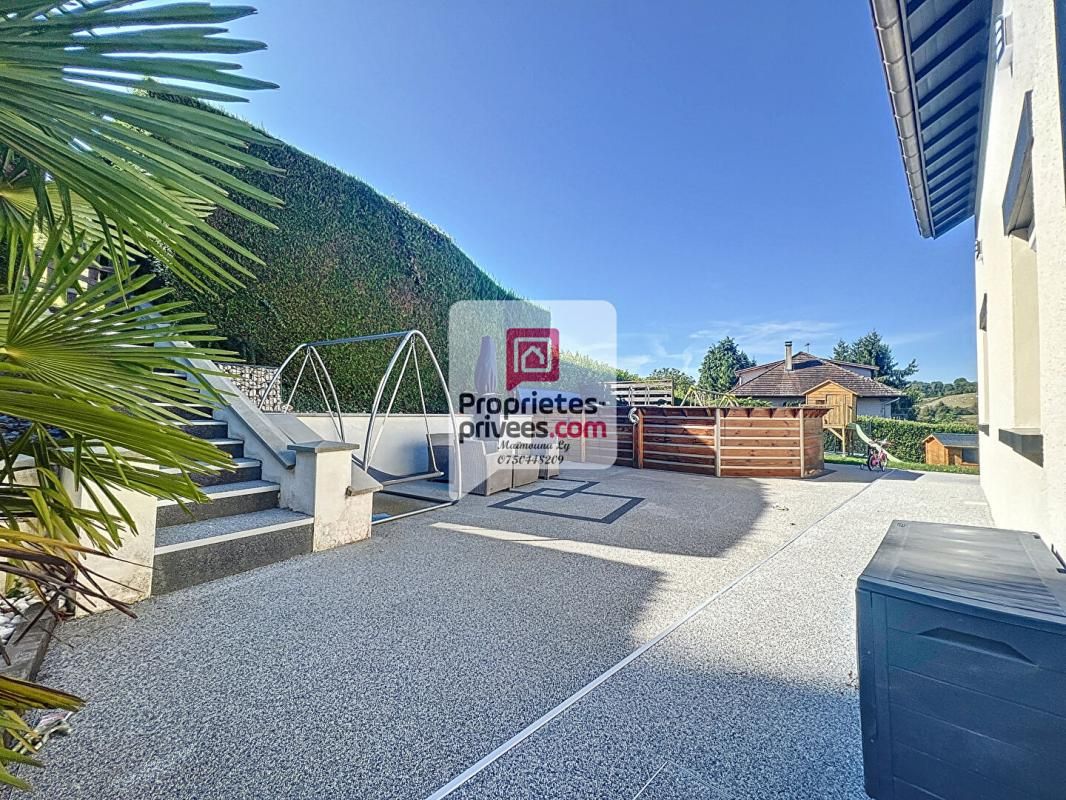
{"points": [[226, 500], [207, 428], [244, 469], [197, 552], [235, 447], [197, 412]]}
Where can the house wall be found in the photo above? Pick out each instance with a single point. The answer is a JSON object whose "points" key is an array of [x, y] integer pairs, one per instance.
{"points": [[866, 372], [864, 406], [873, 407], [1020, 372]]}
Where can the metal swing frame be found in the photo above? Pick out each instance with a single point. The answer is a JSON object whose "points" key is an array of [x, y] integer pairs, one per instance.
{"points": [[408, 343]]}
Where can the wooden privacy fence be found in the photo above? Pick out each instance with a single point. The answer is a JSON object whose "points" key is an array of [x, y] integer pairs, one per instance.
{"points": [[728, 442], [642, 393]]}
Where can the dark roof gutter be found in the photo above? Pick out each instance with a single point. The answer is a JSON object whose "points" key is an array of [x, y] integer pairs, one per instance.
{"points": [[891, 35], [935, 56]]}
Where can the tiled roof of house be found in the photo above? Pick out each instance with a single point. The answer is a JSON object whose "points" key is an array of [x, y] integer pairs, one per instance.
{"points": [[805, 354], [809, 371]]}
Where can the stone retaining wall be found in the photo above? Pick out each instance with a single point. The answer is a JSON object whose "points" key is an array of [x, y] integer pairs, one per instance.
{"points": [[253, 381]]}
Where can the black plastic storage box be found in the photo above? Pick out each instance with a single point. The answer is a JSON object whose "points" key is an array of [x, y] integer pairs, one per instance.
{"points": [[962, 666]]}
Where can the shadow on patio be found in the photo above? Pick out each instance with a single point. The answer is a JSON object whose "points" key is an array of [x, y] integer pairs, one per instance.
{"points": [[384, 668]]}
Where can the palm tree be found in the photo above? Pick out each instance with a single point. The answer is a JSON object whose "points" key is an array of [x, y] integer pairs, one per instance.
{"points": [[109, 156]]}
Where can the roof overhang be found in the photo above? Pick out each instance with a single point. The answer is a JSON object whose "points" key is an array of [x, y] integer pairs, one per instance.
{"points": [[935, 55]]}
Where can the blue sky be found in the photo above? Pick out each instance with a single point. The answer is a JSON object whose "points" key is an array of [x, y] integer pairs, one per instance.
{"points": [[709, 168]]}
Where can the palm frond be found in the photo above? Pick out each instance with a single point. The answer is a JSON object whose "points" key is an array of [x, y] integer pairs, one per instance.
{"points": [[84, 126], [96, 375]]}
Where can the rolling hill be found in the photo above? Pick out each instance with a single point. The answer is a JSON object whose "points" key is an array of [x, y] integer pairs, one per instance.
{"points": [[965, 403]]}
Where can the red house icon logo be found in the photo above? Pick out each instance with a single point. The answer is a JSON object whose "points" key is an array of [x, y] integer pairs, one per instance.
{"points": [[532, 355]]}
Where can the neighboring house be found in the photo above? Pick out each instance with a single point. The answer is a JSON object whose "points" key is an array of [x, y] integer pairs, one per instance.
{"points": [[850, 389], [954, 449], [977, 89]]}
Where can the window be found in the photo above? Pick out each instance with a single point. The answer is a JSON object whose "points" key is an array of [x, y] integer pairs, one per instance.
{"points": [[1025, 310], [1019, 224]]}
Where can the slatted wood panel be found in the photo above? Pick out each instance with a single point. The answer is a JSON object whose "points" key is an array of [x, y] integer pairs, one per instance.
{"points": [[731, 442], [642, 393], [771, 442], [678, 438], [813, 446], [598, 451], [601, 453], [624, 432]]}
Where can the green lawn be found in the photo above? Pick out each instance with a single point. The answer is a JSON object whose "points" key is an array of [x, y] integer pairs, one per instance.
{"points": [[836, 458]]}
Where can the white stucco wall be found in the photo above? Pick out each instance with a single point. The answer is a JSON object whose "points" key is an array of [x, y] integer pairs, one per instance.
{"points": [[865, 372], [873, 407], [402, 448], [864, 407], [1021, 493]]}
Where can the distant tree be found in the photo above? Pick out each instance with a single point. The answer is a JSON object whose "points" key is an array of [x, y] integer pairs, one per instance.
{"points": [[682, 380], [907, 406], [720, 365], [872, 349], [931, 389]]}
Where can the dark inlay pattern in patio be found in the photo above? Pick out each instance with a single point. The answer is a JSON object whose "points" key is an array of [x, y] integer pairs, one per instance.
{"points": [[577, 503]]}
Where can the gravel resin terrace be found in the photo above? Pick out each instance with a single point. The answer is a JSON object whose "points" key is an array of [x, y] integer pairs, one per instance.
{"points": [[387, 668]]}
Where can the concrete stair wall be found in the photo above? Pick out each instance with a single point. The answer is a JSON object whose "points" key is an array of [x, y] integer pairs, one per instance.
{"points": [[239, 528], [282, 500], [197, 552]]}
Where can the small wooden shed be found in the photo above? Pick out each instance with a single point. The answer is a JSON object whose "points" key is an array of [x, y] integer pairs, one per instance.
{"points": [[954, 449]]}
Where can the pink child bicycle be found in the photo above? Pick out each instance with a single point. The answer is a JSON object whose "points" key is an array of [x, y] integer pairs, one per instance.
{"points": [[877, 455]]}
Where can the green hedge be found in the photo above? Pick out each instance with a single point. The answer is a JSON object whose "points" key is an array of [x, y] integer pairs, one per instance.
{"points": [[907, 436], [347, 261], [344, 261]]}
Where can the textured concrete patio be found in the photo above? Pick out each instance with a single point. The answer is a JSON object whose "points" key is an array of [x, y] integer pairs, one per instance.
{"points": [[387, 669]]}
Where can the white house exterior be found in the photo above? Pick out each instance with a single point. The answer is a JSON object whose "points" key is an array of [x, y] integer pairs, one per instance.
{"points": [[977, 90]]}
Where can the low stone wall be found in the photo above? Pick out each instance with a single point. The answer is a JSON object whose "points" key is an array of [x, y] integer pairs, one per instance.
{"points": [[253, 381]]}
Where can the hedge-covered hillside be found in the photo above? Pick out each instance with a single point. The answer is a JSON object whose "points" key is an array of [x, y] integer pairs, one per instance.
{"points": [[344, 261]]}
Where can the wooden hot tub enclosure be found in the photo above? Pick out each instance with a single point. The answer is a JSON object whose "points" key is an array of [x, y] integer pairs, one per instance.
{"points": [[727, 442]]}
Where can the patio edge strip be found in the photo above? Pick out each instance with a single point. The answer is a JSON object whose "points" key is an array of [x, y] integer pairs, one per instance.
{"points": [[487, 760]]}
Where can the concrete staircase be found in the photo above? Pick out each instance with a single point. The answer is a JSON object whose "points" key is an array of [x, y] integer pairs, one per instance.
{"points": [[240, 528]]}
